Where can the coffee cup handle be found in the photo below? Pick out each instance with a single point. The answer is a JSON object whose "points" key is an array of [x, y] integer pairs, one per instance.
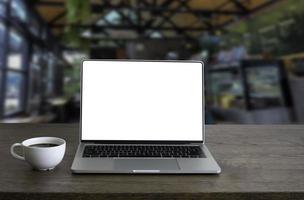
{"points": [[13, 152]]}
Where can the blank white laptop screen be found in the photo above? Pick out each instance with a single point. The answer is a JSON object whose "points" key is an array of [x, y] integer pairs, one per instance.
{"points": [[129, 100]]}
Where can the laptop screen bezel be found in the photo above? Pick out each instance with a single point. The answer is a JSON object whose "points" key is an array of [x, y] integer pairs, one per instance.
{"points": [[144, 141]]}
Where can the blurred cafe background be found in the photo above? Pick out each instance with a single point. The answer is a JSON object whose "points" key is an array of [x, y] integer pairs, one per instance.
{"points": [[253, 50]]}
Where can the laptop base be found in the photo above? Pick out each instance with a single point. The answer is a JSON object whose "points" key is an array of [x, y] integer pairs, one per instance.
{"points": [[145, 165]]}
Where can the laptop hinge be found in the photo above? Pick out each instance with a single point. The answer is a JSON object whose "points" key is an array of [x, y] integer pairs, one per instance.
{"points": [[141, 142]]}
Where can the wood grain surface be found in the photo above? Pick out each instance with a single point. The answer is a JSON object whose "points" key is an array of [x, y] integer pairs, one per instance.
{"points": [[258, 162]]}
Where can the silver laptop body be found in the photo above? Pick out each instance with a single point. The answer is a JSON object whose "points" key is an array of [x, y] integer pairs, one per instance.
{"points": [[141, 104]]}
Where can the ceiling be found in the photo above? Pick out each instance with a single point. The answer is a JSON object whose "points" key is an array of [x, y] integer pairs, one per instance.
{"points": [[150, 18]]}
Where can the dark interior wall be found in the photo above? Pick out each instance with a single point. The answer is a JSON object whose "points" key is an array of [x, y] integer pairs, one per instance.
{"points": [[58, 80], [152, 49], [157, 49], [103, 53]]}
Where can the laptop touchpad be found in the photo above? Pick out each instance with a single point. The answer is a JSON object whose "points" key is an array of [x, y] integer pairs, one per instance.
{"points": [[146, 164]]}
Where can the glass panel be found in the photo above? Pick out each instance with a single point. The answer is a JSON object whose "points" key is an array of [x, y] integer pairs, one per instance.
{"points": [[34, 26], [2, 32], [15, 54], [112, 17], [36, 56], [14, 60], [50, 75], [35, 86], [2, 9], [44, 33], [2, 59], [1, 79], [18, 10], [16, 42], [227, 90], [264, 86], [13, 96], [35, 81]]}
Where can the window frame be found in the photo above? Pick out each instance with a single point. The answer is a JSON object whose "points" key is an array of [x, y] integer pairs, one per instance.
{"points": [[23, 71], [5, 69], [30, 39]]}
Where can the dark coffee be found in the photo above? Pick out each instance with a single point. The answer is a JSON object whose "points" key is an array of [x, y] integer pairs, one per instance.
{"points": [[45, 145]]}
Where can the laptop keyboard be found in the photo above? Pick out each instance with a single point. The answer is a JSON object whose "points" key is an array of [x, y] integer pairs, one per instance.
{"points": [[165, 151]]}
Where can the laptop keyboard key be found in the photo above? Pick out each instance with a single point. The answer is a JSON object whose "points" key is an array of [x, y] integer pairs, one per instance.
{"points": [[152, 151]]}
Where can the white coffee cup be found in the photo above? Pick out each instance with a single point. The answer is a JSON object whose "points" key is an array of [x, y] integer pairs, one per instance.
{"points": [[42, 153]]}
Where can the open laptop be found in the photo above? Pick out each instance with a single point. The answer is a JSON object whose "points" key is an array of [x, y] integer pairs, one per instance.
{"points": [[142, 117]]}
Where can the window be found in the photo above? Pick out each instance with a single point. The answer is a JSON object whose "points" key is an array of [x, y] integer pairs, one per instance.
{"points": [[285, 26], [18, 10], [34, 26], [264, 86], [35, 85], [50, 75], [36, 73], [13, 95], [15, 76], [2, 33], [44, 33], [15, 50], [2, 60], [2, 9], [15, 40]]}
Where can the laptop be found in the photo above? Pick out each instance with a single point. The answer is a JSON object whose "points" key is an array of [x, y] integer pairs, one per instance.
{"points": [[142, 117]]}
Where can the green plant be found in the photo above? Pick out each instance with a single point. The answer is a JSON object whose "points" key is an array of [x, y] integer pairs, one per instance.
{"points": [[78, 13], [72, 86], [72, 37]]}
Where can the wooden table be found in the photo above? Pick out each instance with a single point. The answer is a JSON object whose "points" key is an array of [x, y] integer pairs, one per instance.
{"points": [[258, 162]]}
